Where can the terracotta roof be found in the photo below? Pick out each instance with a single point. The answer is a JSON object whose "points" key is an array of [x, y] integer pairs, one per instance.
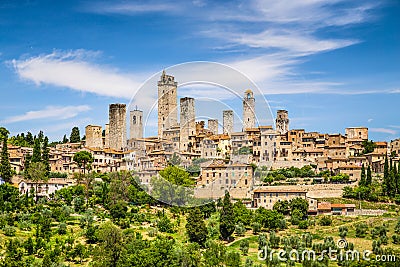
{"points": [[324, 206], [343, 205]]}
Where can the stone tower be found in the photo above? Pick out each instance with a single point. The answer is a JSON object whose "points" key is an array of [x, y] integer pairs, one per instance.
{"points": [[187, 123], [117, 130], [249, 117], [282, 121], [213, 126], [135, 124], [94, 136], [167, 103], [227, 121]]}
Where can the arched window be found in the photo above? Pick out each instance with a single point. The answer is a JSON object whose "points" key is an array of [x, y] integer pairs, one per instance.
{"points": [[134, 119]]}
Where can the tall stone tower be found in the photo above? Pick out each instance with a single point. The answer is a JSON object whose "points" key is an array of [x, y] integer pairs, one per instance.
{"points": [[282, 121], [167, 103], [117, 121], [213, 126], [136, 124], [227, 121], [249, 117], [94, 136], [187, 123]]}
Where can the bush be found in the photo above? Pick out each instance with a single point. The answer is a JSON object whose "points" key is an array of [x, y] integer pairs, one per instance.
{"points": [[256, 227], [396, 239], [361, 229], [9, 230], [240, 229], [303, 225], [325, 221], [244, 246], [62, 229]]}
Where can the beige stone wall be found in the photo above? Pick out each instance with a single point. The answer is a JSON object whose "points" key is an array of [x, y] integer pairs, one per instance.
{"points": [[249, 117], [187, 124], [167, 103], [227, 121], [282, 121], [357, 133], [213, 126], [94, 136], [117, 121], [135, 124]]}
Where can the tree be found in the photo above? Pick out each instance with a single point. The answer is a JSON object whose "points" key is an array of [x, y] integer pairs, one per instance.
{"points": [[5, 167], [83, 158], [244, 246], [195, 227], [65, 139], [362, 180], [175, 160], [37, 173], [368, 181], [109, 250], [75, 136], [282, 207], [299, 204], [369, 146], [37, 153], [45, 155], [227, 218]]}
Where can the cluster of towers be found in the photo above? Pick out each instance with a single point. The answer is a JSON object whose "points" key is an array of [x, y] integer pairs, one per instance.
{"points": [[168, 113], [114, 134]]}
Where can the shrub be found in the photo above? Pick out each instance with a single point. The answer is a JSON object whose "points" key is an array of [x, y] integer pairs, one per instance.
{"points": [[9, 230], [325, 221], [303, 225]]}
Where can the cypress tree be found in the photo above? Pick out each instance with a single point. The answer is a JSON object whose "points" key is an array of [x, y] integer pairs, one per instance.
{"points": [[362, 180], [386, 175], [45, 155], [227, 219], [195, 227], [5, 167], [75, 135], [36, 155], [65, 139], [368, 181]]}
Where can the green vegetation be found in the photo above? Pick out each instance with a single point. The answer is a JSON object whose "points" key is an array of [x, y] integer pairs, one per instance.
{"points": [[75, 136]]}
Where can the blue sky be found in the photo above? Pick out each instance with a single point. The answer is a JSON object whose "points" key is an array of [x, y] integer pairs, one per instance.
{"points": [[331, 64]]}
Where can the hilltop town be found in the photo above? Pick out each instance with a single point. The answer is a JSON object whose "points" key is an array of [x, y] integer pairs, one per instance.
{"points": [[225, 160]]}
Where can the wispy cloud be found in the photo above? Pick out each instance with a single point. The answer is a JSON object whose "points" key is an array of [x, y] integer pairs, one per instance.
{"points": [[130, 8], [50, 112], [383, 130], [74, 70]]}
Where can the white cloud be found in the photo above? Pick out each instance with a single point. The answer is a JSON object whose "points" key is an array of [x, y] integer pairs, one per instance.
{"points": [[293, 41], [50, 112], [134, 7], [383, 130], [73, 70]]}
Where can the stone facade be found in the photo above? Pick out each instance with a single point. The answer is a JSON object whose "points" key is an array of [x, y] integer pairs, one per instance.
{"points": [[213, 126], [117, 121], [106, 142], [94, 136], [249, 117], [167, 103], [282, 121], [187, 124], [227, 121], [135, 124]]}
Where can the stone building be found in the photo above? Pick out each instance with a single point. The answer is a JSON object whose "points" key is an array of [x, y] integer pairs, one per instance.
{"points": [[249, 117], [227, 121], [357, 133], [395, 147], [94, 136], [135, 124], [213, 126], [106, 139], [167, 103], [117, 121], [282, 121], [267, 197], [187, 124]]}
